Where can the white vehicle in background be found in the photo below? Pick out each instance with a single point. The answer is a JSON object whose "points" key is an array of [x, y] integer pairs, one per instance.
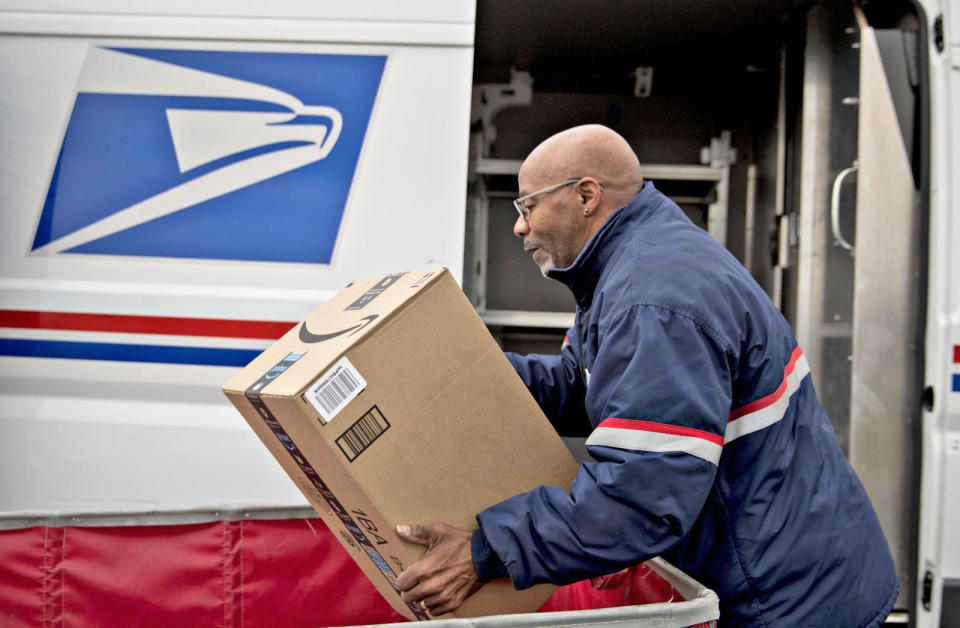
{"points": [[181, 182]]}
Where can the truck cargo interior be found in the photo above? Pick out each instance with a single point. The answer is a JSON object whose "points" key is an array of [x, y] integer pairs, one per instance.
{"points": [[750, 116]]}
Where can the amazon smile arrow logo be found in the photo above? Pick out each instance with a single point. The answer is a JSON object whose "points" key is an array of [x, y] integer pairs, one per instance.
{"points": [[308, 337]]}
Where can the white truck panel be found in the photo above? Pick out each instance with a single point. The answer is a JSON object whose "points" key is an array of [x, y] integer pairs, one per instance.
{"points": [[149, 433], [951, 428]]}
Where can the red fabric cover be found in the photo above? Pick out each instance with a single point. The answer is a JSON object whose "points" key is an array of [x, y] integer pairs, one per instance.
{"points": [[635, 585], [290, 572]]}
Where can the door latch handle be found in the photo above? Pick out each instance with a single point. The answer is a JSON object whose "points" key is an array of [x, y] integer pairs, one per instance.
{"points": [[835, 206]]}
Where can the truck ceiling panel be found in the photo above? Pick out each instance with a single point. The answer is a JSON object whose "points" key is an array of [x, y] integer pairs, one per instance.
{"points": [[377, 10], [584, 33]]}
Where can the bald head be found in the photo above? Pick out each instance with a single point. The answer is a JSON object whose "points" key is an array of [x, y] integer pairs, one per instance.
{"points": [[590, 150], [569, 186]]}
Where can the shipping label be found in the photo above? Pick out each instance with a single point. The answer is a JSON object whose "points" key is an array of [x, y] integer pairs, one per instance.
{"points": [[335, 389]]}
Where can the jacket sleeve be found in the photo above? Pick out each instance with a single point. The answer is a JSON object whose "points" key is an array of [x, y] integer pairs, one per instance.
{"points": [[554, 382], [660, 390]]}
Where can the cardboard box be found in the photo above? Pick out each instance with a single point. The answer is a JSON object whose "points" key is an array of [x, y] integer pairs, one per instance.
{"points": [[392, 404]]}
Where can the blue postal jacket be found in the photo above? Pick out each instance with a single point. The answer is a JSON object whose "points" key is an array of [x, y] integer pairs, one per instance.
{"points": [[711, 447]]}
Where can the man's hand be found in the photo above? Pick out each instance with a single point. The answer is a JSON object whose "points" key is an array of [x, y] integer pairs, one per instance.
{"points": [[445, 576]]}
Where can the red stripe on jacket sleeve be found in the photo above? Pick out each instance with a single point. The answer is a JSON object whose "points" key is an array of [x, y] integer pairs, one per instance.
{"points": [[662, 428], [772, 398]]}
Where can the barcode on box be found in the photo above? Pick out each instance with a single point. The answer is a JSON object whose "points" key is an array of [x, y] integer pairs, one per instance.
{"points": [[362, 433], [335, 389]]}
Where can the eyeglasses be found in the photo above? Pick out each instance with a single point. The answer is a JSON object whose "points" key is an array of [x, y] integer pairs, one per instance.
{"points": [[524, 212]]}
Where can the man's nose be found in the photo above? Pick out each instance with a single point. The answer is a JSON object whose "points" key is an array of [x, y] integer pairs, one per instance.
{"points": [[520, 227]]}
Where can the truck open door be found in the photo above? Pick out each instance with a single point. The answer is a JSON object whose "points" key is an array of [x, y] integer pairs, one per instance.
{"points": [[938, 565]]}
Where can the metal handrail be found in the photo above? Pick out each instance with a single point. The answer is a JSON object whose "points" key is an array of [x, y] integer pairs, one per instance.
{"points": [[835, 206]]}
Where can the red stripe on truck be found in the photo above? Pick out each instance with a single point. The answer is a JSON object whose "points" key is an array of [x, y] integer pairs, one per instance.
{"points": [[174, 326]]}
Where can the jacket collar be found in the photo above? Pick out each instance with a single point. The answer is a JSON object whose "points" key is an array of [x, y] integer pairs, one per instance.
{"points": [[581, 276]]}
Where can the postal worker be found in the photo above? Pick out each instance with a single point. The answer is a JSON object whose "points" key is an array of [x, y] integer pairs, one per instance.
{"points": [[710, 446]]}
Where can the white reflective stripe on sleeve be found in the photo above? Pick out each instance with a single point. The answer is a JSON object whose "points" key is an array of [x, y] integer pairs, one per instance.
{"points": [[770, 414], [644, 440]]}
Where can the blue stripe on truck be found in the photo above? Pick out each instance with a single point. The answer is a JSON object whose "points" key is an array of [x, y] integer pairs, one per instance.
{"points": [[209, 356]]}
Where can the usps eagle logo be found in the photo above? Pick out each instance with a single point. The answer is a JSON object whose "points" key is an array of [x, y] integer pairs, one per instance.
{"points": [[209, 154]]}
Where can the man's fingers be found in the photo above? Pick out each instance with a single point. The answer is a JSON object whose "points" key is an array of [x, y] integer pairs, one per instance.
{"points": [[442, 603], [411, 596], [420, 590], [450, 598], [441, 609], [406, 581], [445, 576], [424, 535], [410, 578]]}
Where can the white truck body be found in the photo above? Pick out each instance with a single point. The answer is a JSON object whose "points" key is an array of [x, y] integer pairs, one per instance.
{"points": [[113, 437]]}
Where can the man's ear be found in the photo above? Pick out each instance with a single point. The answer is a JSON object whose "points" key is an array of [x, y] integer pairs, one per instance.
{"points": [[589, 190]]}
